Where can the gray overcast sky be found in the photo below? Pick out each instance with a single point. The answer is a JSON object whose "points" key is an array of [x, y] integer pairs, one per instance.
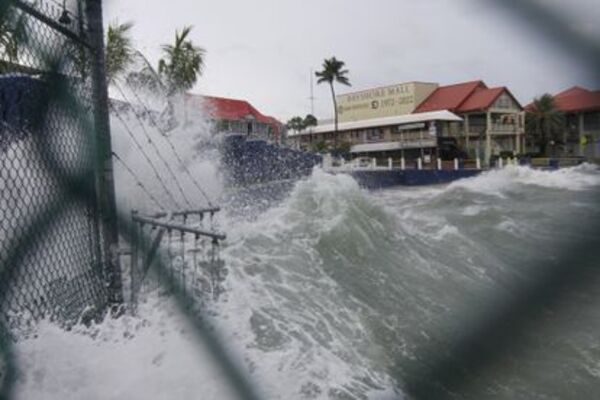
{"points": [[263, 50]]}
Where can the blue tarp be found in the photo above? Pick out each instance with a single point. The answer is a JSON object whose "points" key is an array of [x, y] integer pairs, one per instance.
{"points": [[251, 161]]}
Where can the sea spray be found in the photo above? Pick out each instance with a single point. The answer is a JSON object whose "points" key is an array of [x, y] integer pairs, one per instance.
{"points": [[333, 292], [189, 147]]}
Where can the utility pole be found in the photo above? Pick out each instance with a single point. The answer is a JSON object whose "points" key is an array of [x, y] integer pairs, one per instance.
{"points": [[104, 181], [312, 97]]}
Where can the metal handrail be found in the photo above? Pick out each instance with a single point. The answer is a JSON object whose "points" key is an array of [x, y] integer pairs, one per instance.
{"points": [[200, 211], [178, 227]]}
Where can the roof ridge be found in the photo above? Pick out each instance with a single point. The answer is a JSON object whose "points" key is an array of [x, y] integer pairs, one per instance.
{"points": [[470, 93], [571, 89], [205, 96], [462, 83]]}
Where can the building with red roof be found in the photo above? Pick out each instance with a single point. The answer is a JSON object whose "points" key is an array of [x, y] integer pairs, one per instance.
{"points": [[449, 97], [480, 121], [493, 119], [235, 116], [581, 108]]}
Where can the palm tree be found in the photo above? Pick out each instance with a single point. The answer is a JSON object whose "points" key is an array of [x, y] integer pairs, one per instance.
{"points": [[333, 72], [119, 50], [310, 120], [183, 63], [544, 121], [296, 124]]}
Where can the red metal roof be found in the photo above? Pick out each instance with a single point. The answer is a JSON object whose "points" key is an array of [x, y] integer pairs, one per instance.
{"points": [[481, 99], [574, 99], [577, 99], [449, 97], [575, 90], [231, 109], [221, 108]]}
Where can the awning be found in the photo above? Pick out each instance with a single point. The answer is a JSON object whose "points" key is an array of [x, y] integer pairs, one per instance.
{"points": [[443, 115]]}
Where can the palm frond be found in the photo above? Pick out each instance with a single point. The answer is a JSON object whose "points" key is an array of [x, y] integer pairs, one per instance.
{"points": [[119, 49], [183, 62]]}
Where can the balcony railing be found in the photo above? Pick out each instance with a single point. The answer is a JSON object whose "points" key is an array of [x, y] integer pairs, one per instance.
{"points": [[504, 128], [496, 129]]}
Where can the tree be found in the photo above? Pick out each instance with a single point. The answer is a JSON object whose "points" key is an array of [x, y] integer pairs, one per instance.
{"points": [[319, 147], [296, 124], [119, 50], [310, 120], [333, 72], [544, 122], [182, 64]]}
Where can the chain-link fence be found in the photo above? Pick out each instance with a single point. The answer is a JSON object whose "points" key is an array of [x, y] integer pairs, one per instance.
{"points": [[44, 150], [58, 222]]}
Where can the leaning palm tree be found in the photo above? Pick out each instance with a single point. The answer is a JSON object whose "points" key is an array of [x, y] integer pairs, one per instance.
{"points": [[544, 121], [333, 72], [182, 64], [119, 50]]}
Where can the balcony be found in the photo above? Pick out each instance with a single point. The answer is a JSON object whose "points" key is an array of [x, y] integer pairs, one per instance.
{"points": [[504, 129], [496, 129]]}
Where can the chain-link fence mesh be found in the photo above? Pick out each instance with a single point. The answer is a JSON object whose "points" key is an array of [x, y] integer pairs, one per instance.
{"points": [[44, 148]]}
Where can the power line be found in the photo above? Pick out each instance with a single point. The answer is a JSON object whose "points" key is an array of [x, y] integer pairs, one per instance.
{"points": [[138, 181], [156, 150], [179, 159], [141, 149]]}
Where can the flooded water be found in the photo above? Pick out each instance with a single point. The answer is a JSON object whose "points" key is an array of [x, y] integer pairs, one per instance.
{"points": [[335, 292]]}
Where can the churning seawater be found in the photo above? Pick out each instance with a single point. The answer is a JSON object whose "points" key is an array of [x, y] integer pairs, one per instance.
{"points": [[335, 292]]}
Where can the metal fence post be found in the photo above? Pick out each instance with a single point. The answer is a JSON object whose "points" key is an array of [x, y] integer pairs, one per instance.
{"points": [[105, 191]]}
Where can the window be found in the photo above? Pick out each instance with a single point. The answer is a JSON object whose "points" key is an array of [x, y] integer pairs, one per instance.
{"points": [[591, 121], [374, 134]]}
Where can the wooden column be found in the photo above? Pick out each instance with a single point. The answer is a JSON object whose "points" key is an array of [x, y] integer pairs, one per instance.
{"points": [[467, 129], [488, 138]]}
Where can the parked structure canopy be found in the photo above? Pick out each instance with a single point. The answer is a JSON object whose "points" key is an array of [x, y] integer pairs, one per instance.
{"points": [[443, 115]]}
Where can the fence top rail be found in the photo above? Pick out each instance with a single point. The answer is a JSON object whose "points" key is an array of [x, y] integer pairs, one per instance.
{"points": [[178, 227], [199, 211], [27, 8]]}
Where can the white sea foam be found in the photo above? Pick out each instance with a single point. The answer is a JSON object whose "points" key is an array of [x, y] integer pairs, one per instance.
{"points": [[296, 332], [193, 144], [323, 293], [288, 314], [498, 181], [152, 356]]}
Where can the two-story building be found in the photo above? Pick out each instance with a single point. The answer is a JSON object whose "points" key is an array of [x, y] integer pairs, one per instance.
{"points": [[228, 115], [421, 116], [493, 120], [408, 136]]}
